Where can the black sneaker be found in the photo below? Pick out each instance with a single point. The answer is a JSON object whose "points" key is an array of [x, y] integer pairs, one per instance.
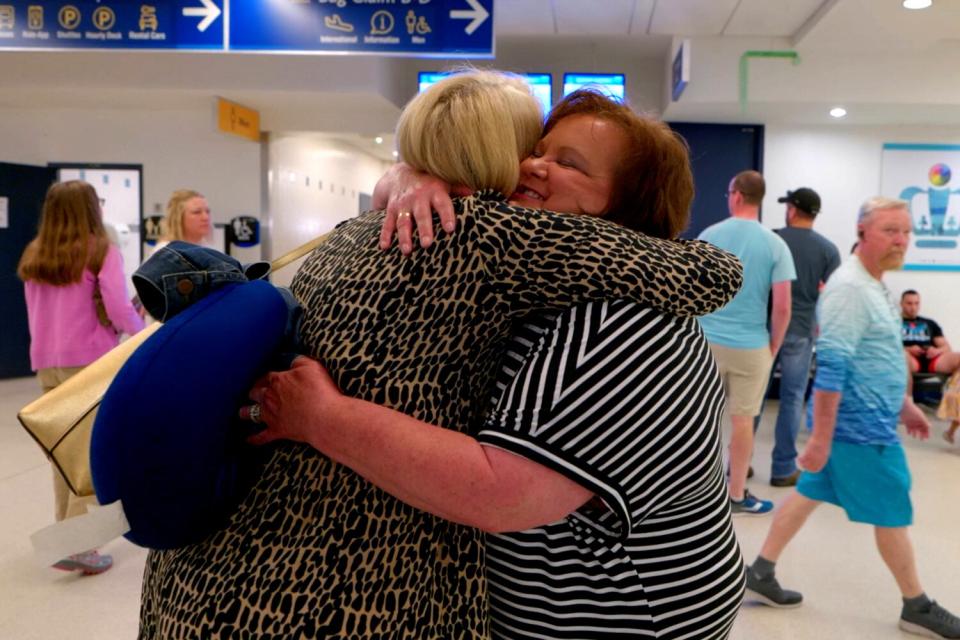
{"points": [[769, 592], [786, 481], [935, 622]]}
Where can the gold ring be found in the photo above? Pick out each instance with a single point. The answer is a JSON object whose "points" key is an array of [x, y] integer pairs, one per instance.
{"points": [[255, 411], [403, 214]]}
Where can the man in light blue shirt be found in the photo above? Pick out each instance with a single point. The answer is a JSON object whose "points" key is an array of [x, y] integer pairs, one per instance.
{"points": [[741, 344], [854, 458]]}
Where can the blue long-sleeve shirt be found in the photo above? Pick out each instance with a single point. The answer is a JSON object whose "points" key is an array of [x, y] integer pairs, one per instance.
{"points": [[860, 355]]}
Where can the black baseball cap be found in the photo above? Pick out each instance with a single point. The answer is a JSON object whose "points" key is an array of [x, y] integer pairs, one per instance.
{"points": [[804, 199]]}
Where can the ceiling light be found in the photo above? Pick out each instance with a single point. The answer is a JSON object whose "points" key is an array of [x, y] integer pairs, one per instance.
{"points": [[838, 112], [378, 140], [917, 4]]}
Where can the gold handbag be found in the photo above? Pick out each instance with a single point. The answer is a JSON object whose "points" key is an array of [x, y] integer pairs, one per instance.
{"points": [[61, 420]]}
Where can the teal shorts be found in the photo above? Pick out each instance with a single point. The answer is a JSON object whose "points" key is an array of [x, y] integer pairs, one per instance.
{"points": [[870, 482]]}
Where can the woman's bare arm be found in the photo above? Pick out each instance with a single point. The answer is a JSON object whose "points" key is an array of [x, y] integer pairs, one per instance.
{"points": [[437, 470]]}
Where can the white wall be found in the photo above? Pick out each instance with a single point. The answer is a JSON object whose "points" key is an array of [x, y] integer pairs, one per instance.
{"points": [[292, 92], [843, 165], [181, 148], [178, 148], [314, 182], [892, 84]]}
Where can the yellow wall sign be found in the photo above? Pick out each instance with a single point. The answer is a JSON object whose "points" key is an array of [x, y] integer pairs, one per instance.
{"points": [[238, 120]]}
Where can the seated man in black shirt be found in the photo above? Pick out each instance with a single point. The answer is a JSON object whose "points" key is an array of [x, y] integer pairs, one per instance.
{"points": [[927, 349]]}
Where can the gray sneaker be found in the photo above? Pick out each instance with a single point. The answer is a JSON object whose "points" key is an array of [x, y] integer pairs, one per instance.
{"points": [[935, 622], [769, 592]]}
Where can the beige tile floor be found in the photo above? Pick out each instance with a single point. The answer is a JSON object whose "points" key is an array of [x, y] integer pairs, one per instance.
{"points": [[849, 593]]}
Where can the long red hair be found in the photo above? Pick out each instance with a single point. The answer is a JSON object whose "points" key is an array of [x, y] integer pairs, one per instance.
{"points": [[71, 236]]}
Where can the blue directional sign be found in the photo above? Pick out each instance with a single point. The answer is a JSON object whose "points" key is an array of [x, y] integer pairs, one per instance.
{"points": [[443, 28], [449, 28], [117, 24]]}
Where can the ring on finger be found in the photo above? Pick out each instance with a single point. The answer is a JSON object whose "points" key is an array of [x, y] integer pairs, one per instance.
{"points": [[256, 413], [404, 214]]}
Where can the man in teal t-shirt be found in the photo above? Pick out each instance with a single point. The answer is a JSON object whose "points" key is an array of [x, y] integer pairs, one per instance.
{"points": [[854, 458], [741, 344]]}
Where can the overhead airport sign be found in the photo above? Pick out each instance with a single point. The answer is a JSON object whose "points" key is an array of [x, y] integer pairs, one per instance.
{"points": [[112, 24], [446, 28], [441, 28]]}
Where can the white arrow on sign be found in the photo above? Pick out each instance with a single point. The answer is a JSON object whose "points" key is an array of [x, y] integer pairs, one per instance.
{"points": [[209, 11], [477, 13]]}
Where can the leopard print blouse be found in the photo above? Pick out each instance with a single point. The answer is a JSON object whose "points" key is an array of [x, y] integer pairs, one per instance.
{"points": [[316, 551]]}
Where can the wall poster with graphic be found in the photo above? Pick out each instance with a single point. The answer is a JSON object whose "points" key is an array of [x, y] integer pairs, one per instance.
{"points": [[922, 174]]}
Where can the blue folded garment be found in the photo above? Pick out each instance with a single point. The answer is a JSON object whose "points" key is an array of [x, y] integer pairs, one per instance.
{"points": [[180, 273], [167, 441]]}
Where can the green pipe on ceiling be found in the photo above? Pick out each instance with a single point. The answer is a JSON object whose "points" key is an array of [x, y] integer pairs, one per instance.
{"points": [[744, 59]]}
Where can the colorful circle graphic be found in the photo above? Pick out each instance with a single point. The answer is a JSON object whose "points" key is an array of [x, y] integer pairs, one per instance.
{"points": [[939, 174]]}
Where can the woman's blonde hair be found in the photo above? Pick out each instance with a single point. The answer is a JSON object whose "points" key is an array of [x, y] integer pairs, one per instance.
{"points": [[71, 237], [172, 225], [472, 128]]}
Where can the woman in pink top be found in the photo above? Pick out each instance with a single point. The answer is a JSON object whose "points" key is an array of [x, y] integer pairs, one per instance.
{"points": [[61, 269]]}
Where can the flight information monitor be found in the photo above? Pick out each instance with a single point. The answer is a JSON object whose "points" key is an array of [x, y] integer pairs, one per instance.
{"points": [[611, 84], [541, 84]]}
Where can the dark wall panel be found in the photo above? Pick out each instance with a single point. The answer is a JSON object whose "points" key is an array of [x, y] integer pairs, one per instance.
{"points": [[718, 152], [24, 187]]}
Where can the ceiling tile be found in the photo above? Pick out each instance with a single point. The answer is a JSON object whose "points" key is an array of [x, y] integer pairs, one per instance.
{"points": [[524, 17], [765, 18], [872, 25], [609, 17], [691, 17], [642, 14]]}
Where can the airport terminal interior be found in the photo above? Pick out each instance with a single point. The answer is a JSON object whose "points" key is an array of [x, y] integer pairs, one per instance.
{"points": [[848, 591], [852, 98]]}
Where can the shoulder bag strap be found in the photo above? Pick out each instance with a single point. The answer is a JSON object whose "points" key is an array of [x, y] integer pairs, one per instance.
{"points": [[297, 253]]}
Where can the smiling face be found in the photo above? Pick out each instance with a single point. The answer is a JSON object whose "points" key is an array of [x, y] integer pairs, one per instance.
{"points": [[573, 168], [196, 220]]}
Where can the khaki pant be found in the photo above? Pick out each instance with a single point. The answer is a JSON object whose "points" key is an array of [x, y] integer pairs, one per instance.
{"points": [[66, 504], [745, 374]]}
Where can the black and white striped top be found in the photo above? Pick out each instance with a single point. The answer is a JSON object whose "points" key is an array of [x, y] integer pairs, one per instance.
{"points": [[626, 401]]}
